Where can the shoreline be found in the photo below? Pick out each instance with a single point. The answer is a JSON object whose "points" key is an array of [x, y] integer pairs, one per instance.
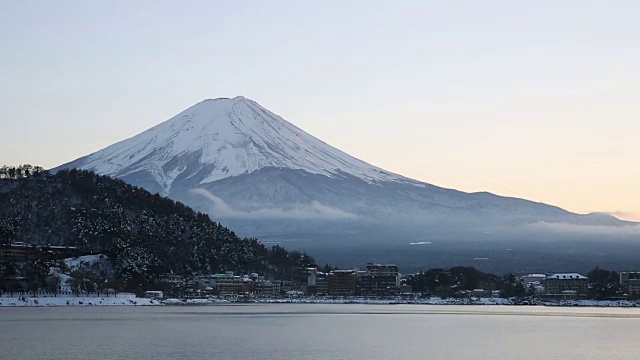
{"points": [[66, 301], [466, 301], [63, 301], [428, 301]]}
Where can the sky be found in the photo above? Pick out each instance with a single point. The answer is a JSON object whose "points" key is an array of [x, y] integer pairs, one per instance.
{"points": [[532, 99]]}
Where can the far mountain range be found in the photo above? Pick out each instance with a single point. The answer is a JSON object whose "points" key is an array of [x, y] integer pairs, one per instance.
{"points": [[263, 177]]}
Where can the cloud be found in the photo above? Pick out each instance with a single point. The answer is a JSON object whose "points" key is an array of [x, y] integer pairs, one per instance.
{"points": [[623, 230], [314, 210], [626, 215]]}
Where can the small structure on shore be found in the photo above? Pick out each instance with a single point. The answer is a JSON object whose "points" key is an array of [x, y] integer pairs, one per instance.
{"points": [[153, 294]]}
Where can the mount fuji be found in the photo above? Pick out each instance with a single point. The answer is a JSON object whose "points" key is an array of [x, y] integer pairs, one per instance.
{"points": [[262, 176]]}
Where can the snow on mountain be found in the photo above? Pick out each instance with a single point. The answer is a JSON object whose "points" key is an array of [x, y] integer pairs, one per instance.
{"points": [[226, 137]]}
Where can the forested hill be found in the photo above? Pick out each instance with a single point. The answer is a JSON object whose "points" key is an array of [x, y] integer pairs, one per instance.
{"points": [[145, 233]]}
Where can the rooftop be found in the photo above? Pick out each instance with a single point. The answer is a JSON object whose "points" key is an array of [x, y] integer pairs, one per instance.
{"points": [[567, 276]]}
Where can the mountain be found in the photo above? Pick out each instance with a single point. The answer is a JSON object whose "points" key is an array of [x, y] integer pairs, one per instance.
{"points": [[220, 138], [145, 234], [264, 177]]}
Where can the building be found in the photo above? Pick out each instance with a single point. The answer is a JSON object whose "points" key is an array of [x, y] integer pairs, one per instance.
{"points": [[227, 284], [248, 286], [322, 284], [566, 285], [205, 282], [342, 283], [171, 279], [534, 282], [533, 278], [480, 293], [223, 284], [312, 275], [13, 253], [157, 295], [379, 280], [263, 288], [22, 252], [317, 282], [283, 286], [630, 281]]}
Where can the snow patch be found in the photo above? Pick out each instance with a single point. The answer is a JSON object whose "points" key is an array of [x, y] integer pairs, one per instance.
{"points": [[86, 261]]}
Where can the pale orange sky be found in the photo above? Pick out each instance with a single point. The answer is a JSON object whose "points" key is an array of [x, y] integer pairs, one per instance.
{"points": [[579, 150]]}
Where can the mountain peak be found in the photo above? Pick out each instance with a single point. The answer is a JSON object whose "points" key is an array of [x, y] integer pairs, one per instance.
{"points": [[219, 138], [233, 99]]}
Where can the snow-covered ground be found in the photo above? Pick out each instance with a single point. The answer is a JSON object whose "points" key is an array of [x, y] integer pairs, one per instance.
{"points": [[131, 300], [86, 261], [453, 301], [76, 301], [429, 301], [172, 301], [90, 263], [599, 303]]}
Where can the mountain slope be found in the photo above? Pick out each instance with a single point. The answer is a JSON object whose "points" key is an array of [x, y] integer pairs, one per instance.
{"points": [[265, 177], [219, 138], [146, 234]]}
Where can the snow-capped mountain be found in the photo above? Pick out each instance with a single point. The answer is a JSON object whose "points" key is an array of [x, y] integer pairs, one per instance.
{"points": [[220, 138], [264, 177]]}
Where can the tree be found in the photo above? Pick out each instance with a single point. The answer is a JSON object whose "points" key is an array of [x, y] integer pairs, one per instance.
{"points": [[36, 272], [604, 284], [145, 234], [76, 282], [512, 287], [7, 232], [53, 284], [9, 269]]}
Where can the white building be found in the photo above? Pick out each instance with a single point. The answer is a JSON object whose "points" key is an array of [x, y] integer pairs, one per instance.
{"points": [[566, 285]]}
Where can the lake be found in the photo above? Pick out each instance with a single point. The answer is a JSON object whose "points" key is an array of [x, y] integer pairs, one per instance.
{"points": [[320, 331]]}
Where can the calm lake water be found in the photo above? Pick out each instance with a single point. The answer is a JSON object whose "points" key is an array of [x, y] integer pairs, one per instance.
{"points": [[312, 331]]}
